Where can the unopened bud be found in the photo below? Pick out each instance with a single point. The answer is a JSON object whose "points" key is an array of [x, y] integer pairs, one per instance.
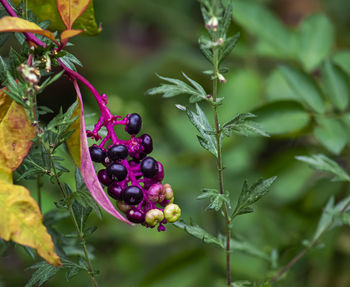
{"points": [[221, 78], [172, 212], [212, 24], [154, 216]]}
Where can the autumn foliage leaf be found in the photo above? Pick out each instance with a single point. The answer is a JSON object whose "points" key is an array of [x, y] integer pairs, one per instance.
{"points": [[21, 219], [69, 34], [16, 24], [70, 10], [79, 149]]}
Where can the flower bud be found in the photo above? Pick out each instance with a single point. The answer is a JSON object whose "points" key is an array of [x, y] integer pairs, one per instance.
{"points": [[168, 191], [154, 216], [172, 212], [156, 193], [212, 24], [123, 206], [221, 78]]}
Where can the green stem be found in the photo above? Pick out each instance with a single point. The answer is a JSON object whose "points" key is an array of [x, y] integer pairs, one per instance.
{"points": [[79, 232], [220, 165], [38, 188]]}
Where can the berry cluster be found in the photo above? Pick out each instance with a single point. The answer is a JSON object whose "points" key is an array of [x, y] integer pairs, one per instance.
{"points": [[136, 183]]}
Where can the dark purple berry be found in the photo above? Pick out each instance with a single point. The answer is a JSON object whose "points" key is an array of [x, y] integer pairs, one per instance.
{"points": [[103, 177], [132, 195], [97, 154], [117, 171], [115, 191], [160, 175], [134, 124], [147, 143], [135, 215], [139, 156], [149, 167], [117, 152]]}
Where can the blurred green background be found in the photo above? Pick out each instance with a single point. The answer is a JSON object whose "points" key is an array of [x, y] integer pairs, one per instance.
{"points": [[141, 38]]}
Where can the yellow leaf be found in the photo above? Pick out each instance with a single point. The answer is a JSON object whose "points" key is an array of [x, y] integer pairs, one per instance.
{"points": [[16, 133], [69, 34], [16, 24], [70, 10], [21, 221]]}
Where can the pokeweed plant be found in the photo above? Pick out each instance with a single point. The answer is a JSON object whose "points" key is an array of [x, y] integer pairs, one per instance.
{"points": [[29, 148], [216, 46]]}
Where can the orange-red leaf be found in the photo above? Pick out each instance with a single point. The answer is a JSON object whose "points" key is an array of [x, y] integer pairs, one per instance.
{"points": [[21, 221], [70, 10], [16, 133], [69, 34], [15, 24]]}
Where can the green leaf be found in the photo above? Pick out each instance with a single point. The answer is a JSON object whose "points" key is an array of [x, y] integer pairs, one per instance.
{"points": [[331, 216], [47, 10], [251, 194], [227, 47], [44, 271], [342, 59], [178, 87], [198, 232], [282, 117], [323, 163], [241, 283], [337, 85], [251, 15], [215, 198], [305, 88], [200, 121], [332, 134], [315, 40], [241, 125]]}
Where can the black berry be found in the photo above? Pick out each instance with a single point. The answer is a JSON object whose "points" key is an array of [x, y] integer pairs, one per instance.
{"points": [[147, 143], [103, 177], [132, 195], [97, 154], [115, 191], [117, 171], [149, 167], [117, 152], [135, 215], [134, 125]]}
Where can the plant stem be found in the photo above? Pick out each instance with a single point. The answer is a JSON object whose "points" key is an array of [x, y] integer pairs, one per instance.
{"points": [[78, 231], [220, 164], [38, 188]]}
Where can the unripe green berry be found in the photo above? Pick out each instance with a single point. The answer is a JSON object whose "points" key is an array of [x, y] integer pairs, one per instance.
{"points": [[169, 194], [172, 212], [123, 206], [154, 216]]}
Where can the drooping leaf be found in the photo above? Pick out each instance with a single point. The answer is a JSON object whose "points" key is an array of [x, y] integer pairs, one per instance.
{"points": [[332, 134], [323, 163], [42, 274], [78, 146], [305, 88], [242, 125], [21, 221], [178, 87], [47, 10], [251, 194], [315, 40], [337, 85], [16, 133], [70, 10], [206, 139], [198, 232], [16, 24]]}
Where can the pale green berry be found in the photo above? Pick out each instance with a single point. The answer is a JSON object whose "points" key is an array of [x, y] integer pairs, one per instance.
{"points": [[172, 212], [154, 216], [123, 206], [168, 191]]}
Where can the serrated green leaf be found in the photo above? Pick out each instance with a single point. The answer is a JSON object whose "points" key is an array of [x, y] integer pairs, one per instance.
{"points": [[305, 88], [315, 40], [337, 85], [200, 121], [215, 198], [200, 233], [323, 163], [241, 125], [251, 194], [227, 47], [44, 271]]}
